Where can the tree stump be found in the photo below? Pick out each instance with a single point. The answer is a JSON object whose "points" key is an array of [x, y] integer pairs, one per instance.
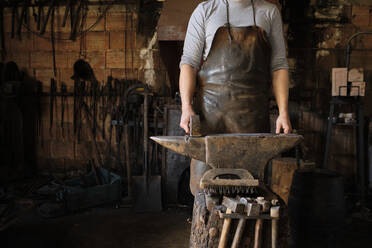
{"points": [[207, 225]]}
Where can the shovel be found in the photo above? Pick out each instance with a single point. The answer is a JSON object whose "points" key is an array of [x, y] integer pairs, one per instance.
{"points": [[147, 188]]}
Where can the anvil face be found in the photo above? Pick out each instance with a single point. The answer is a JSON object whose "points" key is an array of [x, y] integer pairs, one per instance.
{"points": [[242, 150]]}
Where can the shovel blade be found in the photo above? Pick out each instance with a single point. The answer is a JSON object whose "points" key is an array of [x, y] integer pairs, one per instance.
{"points": [[147, 197]]}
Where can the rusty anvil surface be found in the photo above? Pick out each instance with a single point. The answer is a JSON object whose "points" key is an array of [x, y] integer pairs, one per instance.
{"points": [[250, 151]]}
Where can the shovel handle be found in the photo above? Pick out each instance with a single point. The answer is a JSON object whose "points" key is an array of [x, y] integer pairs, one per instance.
{"points": [[145, 138]]}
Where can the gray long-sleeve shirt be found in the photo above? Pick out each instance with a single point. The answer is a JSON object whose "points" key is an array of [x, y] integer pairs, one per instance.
{"points": [[211, 14]]}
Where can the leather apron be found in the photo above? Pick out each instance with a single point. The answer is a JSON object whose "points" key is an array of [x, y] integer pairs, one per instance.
{"points": [[233, 86]]}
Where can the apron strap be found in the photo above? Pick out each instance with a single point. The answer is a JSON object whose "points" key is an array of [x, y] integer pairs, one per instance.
{"points": [[228, 18], [228, 21], [254, 13]]}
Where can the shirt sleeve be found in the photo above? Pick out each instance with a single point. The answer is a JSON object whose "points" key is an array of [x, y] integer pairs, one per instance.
{"points": [[195, 38], [278, 56]]}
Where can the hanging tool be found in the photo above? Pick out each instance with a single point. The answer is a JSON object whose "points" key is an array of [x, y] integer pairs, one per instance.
{"points": [[67, 11], [14, 18], [53, 42], [75, 106], [128, 160], [89, 116], [118, 124], [52, 99], [84, 13], [132, 42], [34, 14], [63, 104], [22, 19], [2, 33], [155, 153], [147, 187], [40, 15], [76, 18], [125, 44], [45, 22], [95, 172], [112, 111]]}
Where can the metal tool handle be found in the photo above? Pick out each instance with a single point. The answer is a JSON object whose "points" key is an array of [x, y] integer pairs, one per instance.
{"points": [[145, 138]]}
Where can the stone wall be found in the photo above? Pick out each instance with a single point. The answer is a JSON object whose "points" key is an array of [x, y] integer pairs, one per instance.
{"points": [[115, 43]]}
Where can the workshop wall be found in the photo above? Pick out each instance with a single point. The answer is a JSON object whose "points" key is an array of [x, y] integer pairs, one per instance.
{"points": [[123, 44], [111, 46], [116, 43], [317, 32]]}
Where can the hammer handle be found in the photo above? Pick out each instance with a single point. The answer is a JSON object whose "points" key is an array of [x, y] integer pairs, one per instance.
{"points": [[257, 233], [225, 230], [274, 233], [238, 233]]}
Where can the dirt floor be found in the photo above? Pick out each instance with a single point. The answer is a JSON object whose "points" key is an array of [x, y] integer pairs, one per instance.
{"points": [[99, 228], [108, 227]]}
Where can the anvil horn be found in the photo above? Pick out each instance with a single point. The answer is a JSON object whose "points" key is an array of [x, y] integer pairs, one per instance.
{"points": [[193, 147]]}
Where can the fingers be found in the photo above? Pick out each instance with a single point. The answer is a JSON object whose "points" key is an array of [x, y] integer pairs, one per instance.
{"points": [[185, 125], [287, 129], [284, 125], [185, 119], [278, 128]]}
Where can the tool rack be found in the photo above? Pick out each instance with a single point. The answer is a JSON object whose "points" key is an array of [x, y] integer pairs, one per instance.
{"points": [[358, 108]]}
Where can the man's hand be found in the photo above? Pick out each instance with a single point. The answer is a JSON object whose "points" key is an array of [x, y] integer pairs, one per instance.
{"points": [[187, 88], [283, 123], [185, 118]]}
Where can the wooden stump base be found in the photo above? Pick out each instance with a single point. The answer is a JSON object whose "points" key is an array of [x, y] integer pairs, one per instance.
{"points": [[207, 225]]}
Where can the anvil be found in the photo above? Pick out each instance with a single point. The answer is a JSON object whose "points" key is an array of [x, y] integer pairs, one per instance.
{"points": [[250, 151]]}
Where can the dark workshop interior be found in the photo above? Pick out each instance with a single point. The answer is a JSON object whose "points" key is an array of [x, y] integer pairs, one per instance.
{"points": [[84, 84]]}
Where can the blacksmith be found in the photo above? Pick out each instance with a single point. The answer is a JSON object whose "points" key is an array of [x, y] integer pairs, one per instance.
{"points": [[234, 54]]}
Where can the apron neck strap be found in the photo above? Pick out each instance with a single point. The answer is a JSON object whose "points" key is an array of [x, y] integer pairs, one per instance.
{"points": [[228, 20], [254, 13], [228, 17]]}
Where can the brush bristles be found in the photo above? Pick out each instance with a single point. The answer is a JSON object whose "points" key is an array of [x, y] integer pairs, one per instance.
{"points": [[226, 190]]}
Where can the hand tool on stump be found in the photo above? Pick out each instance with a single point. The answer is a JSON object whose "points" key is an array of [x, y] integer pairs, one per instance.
{"points": [[274, 213], [238, 233], [241, 225], [258, 233], [147, 187], [225, 230], [264, 205], [232, 206]]}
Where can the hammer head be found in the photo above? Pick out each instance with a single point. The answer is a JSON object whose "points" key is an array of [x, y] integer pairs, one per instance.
{"points": [[250, 151]]}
